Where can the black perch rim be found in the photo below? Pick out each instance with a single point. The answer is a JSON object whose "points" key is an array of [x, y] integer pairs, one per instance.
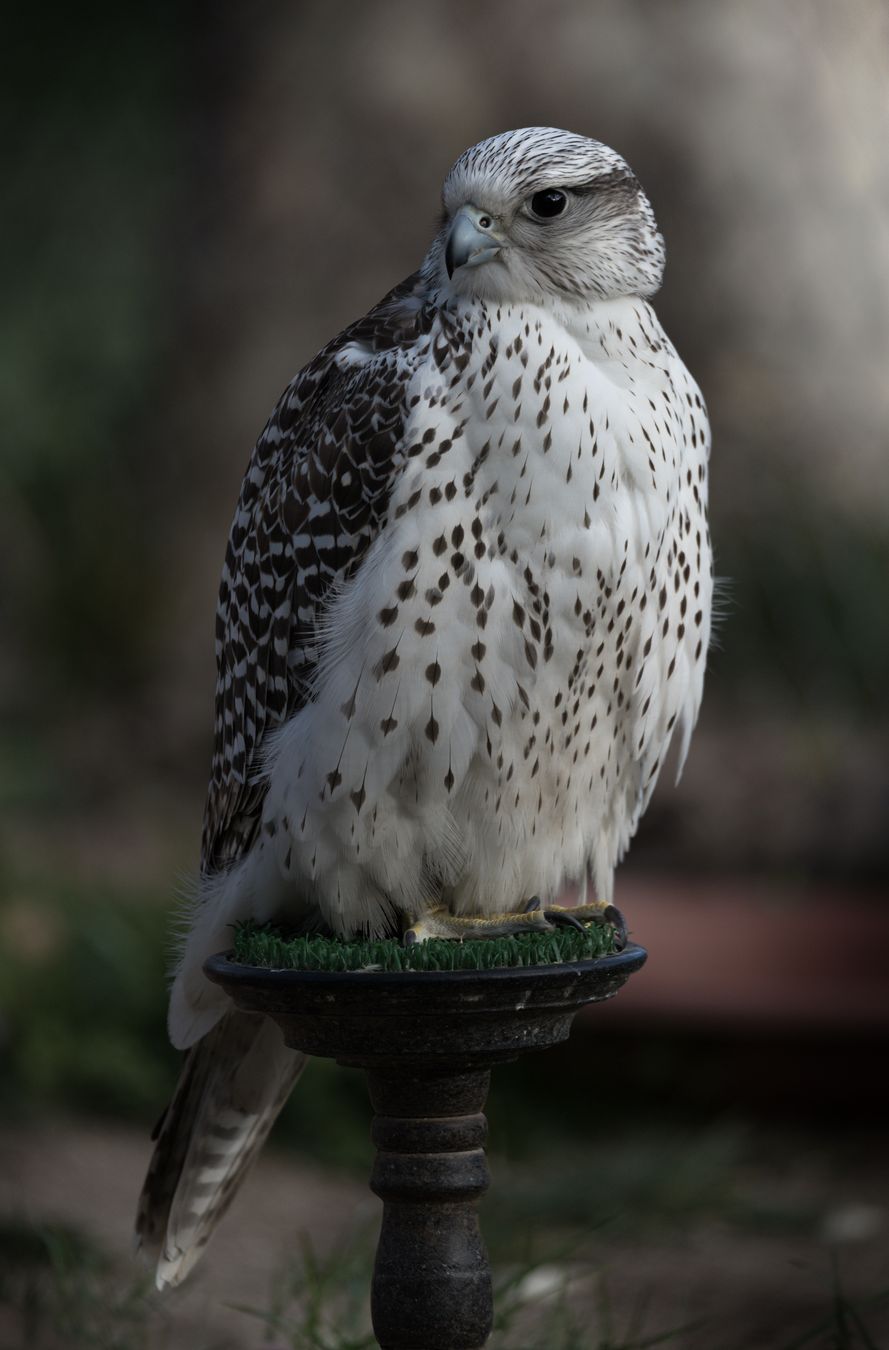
{"points": [[478, 1016]]}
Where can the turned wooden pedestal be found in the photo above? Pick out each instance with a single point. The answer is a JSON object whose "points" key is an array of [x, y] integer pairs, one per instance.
{"points": [[427, 1041]]}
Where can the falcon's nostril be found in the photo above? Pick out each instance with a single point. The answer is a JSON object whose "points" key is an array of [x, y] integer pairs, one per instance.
{"points": [[485, 222]]}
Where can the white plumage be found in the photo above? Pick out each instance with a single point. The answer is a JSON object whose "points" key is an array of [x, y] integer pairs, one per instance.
{"points": [[467, 595]]}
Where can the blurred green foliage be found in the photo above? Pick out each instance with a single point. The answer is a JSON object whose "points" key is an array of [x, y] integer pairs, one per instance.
{"points": [[91, 172], [67, 1292], [82, 993], [657, 1176], [799, 621], [83, 1019]]}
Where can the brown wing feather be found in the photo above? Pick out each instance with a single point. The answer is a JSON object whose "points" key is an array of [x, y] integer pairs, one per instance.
{"points": [[321, 470], [231, 1089]]}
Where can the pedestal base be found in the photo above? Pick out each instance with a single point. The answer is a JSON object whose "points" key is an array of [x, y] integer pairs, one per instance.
{"points": [[431, 1282]]}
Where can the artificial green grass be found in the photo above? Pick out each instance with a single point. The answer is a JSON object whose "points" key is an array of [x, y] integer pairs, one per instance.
{"points": [[272, 949]]}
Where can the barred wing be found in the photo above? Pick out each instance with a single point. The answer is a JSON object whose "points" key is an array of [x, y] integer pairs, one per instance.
{"points": [[315, 495]]}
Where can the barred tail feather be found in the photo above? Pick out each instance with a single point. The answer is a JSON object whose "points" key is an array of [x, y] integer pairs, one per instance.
{"points": [[233, 1084]]}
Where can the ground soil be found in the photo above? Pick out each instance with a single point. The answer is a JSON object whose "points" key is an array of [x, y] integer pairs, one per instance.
{"points": [[756, 1289]]}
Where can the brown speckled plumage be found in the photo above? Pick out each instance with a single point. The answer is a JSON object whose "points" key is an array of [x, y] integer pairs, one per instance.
{"points": [[314, 497]]}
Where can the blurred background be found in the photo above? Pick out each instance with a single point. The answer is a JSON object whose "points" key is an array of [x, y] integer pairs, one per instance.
{"points": [[195, 198]]}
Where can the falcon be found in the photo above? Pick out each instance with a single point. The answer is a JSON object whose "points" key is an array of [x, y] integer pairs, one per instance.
{"points": [[464, 609]]}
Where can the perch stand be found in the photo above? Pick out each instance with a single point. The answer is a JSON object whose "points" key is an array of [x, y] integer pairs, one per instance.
{"points": [[427, 1041]]}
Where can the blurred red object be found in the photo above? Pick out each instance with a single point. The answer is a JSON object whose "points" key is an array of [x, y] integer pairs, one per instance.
{"points": [[755, 954]]}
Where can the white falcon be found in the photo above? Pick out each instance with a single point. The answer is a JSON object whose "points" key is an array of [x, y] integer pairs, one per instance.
{"points": [[465, 605]]}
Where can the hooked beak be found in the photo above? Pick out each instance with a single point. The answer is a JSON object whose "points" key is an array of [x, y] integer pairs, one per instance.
{"points": [[472, 239]]}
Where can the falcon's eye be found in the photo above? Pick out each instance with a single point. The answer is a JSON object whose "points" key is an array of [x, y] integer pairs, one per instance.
{"points": [[550, 202]]}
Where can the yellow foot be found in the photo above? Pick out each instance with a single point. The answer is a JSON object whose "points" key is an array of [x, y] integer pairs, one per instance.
{"points": [[441, 923]]}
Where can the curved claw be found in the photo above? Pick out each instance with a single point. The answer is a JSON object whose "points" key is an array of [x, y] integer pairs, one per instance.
{"points": [[595, 913], [613, 916], [562, 918]]}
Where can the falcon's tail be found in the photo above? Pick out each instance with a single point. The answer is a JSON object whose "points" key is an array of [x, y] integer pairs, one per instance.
{"points": [[233, 1084]]}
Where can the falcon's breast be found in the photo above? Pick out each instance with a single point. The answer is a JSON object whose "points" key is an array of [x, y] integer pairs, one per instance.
{"points": [[497, 682]]}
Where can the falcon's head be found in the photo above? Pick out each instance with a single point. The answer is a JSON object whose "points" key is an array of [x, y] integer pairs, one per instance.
{"points": [[538, 214]]}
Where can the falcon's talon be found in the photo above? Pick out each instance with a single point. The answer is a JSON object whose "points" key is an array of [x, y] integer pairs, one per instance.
{"points": [[563, 918], [598, 912], [613, 916]]}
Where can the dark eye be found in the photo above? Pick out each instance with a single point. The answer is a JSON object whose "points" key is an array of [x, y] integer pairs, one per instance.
{"points": [[550, 202]]}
